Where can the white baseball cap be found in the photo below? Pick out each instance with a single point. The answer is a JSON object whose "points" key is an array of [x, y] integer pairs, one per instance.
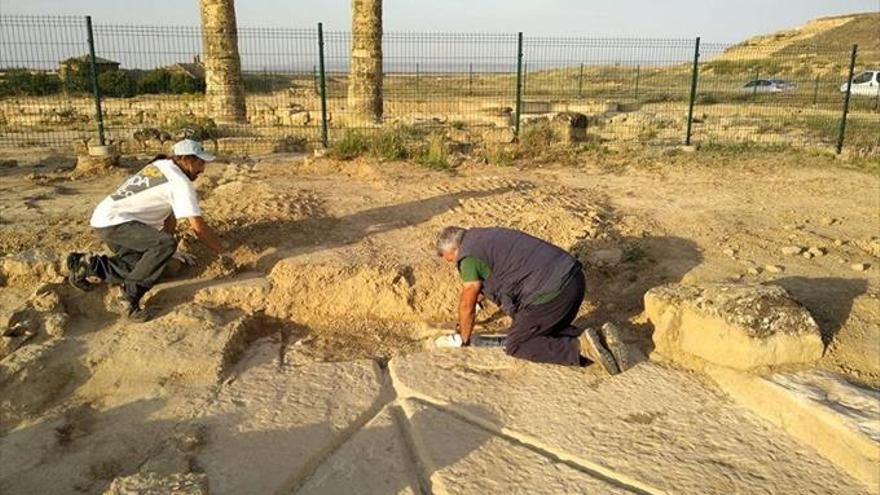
{"points": [[190, 147]]}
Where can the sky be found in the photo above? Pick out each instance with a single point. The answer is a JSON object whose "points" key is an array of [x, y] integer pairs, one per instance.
{"points": [[714, 20]]}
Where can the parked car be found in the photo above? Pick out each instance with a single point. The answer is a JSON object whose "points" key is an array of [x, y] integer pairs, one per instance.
{"points": [[865, 84], [768, 86]]}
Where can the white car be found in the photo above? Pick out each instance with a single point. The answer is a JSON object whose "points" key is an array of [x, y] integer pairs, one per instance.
{"points": [[865, 84]]}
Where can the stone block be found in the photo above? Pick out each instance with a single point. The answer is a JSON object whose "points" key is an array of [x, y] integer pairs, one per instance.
{"points": [[740, 326]]}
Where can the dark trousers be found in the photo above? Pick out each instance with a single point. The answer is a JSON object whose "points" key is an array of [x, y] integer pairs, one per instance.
{"points": [[543, 333], [140, 254]]}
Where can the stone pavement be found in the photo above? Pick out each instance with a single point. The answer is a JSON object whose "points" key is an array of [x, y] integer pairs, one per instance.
{"points": [[446, 421], [476, 421]]}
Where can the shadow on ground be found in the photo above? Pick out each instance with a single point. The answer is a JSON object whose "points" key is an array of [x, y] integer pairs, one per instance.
{"points": [[316, 234], [829, 299], [82, 449], [617, 290]]}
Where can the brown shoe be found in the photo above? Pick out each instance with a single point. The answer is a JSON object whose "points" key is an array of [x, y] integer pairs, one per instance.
{"points": [[594, 350], [626, 356]]}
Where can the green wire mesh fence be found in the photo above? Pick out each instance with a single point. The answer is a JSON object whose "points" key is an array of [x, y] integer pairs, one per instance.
{"points": [[152, 82]]}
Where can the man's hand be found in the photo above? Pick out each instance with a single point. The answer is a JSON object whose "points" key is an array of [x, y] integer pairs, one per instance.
{"points": [[186, 258], [467, 313], [206, 234]]}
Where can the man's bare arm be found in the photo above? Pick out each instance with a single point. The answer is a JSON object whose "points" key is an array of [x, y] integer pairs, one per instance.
{"points": [[206, 234], [467, 313]]}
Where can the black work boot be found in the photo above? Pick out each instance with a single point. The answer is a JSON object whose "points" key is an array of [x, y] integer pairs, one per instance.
{"points": [[135, 312], [77, 271]]}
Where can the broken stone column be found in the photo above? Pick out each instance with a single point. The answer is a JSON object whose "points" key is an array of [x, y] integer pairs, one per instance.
{"points": [[739, 326], [572, 125], [224, 85], [365, 76]]}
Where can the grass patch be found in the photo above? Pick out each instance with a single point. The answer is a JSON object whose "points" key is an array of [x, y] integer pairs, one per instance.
{"points": [[397, 143], [433, 154], [537, 138], [391, 144], [192, 127], [738, 148], [352, 145]]}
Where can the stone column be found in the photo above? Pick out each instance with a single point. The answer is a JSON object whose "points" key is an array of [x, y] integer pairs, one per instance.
{"points": [[365, 76], [224, 86]]}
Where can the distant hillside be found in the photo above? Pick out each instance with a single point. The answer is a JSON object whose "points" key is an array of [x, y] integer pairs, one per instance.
{"points": [[823, 44]]}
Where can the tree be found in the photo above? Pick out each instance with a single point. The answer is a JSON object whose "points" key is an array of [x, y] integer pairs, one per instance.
{"points": [[224, 87], [184, 84], [117, 83], [154, 82], [76, 76], [23, 82], [365, 75]]}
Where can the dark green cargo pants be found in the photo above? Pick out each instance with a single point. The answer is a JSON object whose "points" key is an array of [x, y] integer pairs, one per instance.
{"points": [[140, 254]]}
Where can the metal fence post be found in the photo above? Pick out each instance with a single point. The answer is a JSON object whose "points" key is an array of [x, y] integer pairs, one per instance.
{"points": [[470, 79], [816, 91], [418, 82], [842, 131], [519, 59], [93, 73], [581, 81], [638, 70], [323, 82], [687, 140]]}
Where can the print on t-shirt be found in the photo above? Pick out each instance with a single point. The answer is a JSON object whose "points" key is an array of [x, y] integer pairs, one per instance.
{"points": [[149, 177]]}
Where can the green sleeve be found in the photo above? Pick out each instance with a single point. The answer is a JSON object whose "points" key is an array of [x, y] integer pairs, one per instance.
{"points": [[473, 269]]}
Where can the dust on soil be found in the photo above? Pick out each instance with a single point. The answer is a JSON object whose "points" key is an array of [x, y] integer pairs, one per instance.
{"points": [[336, 263]]}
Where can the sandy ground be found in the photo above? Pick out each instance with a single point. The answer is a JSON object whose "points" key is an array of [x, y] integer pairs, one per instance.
{"points": [[336, 266]]}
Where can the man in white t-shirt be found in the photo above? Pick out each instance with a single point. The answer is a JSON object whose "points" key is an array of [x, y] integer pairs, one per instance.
{"points": [[138, 221]]}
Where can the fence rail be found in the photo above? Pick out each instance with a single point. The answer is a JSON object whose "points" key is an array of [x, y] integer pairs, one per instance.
{"points": [[150, 87]]}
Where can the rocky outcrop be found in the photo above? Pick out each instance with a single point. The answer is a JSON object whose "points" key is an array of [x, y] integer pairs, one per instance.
{"points": [[30, 267]]}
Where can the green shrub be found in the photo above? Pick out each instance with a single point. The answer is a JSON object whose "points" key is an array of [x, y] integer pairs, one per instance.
{"points": [[185, 84], [536, 138], [391, 144], [457, 124], [154, 82], [22, 82], [433, 154], [77, 76], [352, 145], [117, 83], [501, 155], [192, 127]]}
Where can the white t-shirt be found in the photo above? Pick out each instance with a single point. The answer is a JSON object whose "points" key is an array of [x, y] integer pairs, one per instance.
{"points": [[149, 196]]}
